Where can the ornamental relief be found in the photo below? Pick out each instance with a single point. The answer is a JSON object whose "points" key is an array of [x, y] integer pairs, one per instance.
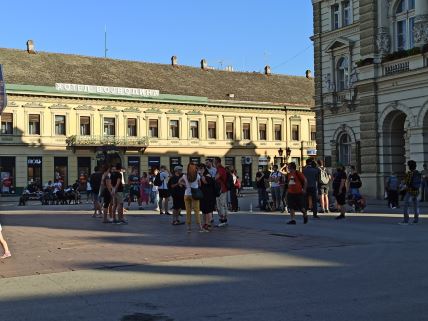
{"points": [[421, 32], [84, 107], [108, 108], [33, 105], [59, 106], [383, 42], [132, 110]]}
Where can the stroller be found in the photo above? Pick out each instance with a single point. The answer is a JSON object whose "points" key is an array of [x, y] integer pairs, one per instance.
{"points": [[357, 202]]}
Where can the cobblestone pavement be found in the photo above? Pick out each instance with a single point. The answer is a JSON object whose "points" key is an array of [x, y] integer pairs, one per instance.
{"points": [[257, 268]]}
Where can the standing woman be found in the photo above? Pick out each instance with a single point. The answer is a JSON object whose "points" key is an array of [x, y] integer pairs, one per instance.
{"points": [[209, 201], [5, 247], [105, 189], [339, 190], [191, 180], [145, 189]]}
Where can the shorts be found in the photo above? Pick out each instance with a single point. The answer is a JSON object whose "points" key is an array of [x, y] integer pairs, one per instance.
{"points": [[323, 190], [178, 203], [340, 198], [163, 193], [106, 198], [295, 201], [118, 198]]}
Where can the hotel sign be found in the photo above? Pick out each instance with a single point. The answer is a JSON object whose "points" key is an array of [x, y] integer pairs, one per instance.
{"points": [[3, 97], [107, 90]]}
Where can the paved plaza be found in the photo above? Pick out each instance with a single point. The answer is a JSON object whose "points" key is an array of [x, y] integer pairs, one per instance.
{"points": [[69, 266]]}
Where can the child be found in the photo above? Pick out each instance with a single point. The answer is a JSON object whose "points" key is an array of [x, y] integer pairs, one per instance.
{"points": [[5, 247]]}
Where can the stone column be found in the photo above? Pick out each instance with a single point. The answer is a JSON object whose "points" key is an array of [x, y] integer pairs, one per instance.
{"points": [[416, 142], [421, 23]]}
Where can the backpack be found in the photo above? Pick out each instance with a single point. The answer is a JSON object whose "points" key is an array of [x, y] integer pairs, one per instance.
{"points": [[324, 177], [416, 180], [229, 181], [157, 181]]}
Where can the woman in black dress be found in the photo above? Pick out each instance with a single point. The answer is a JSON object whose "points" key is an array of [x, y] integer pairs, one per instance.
{"points": [[209, 200]]}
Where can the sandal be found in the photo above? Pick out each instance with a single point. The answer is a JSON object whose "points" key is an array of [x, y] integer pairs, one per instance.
{"points": [[5, 255]]}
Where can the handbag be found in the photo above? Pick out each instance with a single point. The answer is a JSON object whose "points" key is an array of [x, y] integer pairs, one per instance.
{"points": [[197, 194]]}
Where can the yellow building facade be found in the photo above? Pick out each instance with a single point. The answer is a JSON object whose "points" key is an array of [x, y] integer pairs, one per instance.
{"points": [[53, 129]]}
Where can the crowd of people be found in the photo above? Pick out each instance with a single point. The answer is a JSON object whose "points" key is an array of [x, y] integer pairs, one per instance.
{"points": [[209, 187], [203, 188]]}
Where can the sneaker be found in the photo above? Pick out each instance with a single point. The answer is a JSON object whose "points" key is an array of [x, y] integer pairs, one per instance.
{"points": [[403, 223], [161, 213], [206, 228], [321, 211], [340, 217], [168, 213], [326, 211], [222, 224], [141, 208], [394, 207], [292, 222]]}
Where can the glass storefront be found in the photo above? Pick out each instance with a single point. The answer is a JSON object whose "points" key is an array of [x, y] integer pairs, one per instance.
{"points": [[154, 162], [34, 173], [195, 160], [174, 161], [229, 161], [133, 164], [7, 174], [61, 170]]}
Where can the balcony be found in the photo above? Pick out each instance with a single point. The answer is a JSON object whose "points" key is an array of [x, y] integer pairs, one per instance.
{"points": [[120, 142]]}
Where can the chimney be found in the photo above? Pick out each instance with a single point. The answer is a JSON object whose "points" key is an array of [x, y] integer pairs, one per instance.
{"points": [[174, 61], [267, 70], [30, 47], [308, 74], [204, 64]]}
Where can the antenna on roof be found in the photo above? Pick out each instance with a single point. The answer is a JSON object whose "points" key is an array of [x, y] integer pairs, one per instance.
{"points": [[105, 41]]}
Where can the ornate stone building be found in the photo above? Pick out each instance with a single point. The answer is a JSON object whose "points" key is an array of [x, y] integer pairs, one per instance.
{"points": [[371, 96], [66, 113]]}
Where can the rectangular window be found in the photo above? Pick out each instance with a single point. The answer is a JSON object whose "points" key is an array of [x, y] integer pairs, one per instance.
{"points": [[229, 130], [109, 126], [335, 17], [313, 133], [7, 124], [194, 129], [401, 35], [153, 128], [278, 132], [262, 131], [246, 131], [34, 173], [411, 32], [132, 127], [212, 129], [346, 13], [85, 125], [295, 132], [61, 170], [174, 129], [34, 124], [59, 125]]}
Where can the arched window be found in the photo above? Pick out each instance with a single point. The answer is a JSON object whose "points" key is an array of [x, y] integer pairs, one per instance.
{"points": [[342, 74], [404, 24], [344, 149]]}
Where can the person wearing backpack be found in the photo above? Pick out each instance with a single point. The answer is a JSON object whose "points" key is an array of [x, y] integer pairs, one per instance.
{"points": [[325, 178], [392, 185], [413, 182]]}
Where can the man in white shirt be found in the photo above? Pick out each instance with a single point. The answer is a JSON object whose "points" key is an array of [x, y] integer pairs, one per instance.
{"points": [[211, 169], [163, 191]]}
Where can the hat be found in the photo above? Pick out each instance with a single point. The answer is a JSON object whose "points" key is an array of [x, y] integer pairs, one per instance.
{"points": [[178, 168]]}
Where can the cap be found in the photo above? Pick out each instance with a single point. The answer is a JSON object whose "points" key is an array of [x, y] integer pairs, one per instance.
{"points": [[178, 168]]}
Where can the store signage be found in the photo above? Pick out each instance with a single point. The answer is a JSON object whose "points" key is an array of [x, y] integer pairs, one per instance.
{"points": [[312, 152], [3, 97], [34, 161], [119, 91], [263, 161]]}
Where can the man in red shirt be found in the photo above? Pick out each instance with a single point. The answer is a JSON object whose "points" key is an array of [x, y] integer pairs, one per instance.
{"points": [[221, 179], [296, 189]]}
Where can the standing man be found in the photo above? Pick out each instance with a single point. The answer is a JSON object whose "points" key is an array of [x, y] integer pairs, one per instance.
{"points": [[210, 168], [312, 175], [163, 190], [261, 188], [117, 194], [221, 179], [177, 193], [424, 185], [275, 187], [95, 181], [339, 190], [413, 183], [323, 187], [134, 188], [296, 189]]}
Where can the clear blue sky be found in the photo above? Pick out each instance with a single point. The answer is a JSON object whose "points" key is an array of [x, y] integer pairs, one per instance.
{"points": [[246, 34]]}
